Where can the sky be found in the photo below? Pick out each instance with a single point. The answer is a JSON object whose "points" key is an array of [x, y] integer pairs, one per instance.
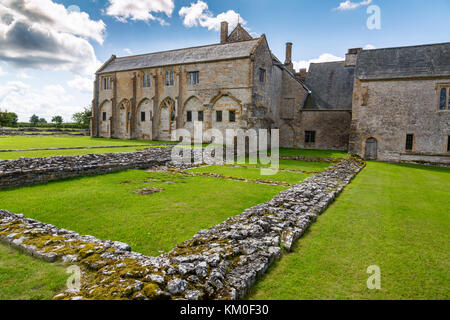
{"points": [[50, 49]]}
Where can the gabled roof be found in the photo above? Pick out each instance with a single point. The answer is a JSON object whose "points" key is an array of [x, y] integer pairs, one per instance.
{"points": [[331, 85], [404, 62], [239, 34], [215, 52]]}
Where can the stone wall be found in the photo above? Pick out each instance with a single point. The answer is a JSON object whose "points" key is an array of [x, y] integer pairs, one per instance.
{"points": [[388, 110], [222, 262], [30, 171], [332, 129]]}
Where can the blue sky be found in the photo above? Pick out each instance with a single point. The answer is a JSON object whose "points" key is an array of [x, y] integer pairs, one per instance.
{"points": [[49, 50]]}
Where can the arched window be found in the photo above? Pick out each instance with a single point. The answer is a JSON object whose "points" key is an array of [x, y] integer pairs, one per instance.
{"points": [[443, 99]]}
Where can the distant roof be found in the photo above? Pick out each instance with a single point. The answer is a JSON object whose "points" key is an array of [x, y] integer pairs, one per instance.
{"points": [[404, 62], [331, 86], [213, 52]]}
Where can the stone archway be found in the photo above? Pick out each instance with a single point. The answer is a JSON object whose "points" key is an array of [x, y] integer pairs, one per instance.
{"points": [[125, 119], [371, 152], [145, 119], [105, 119], [167, 119]]}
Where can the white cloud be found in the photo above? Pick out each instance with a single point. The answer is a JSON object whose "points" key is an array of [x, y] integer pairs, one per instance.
{"points": [[127, 51], [81, 84], [369, 47], [23, 75], [43, 35], [349, 5], [47, 102], [55, 16], [326, 57], [142, 10], [198, 14], [2, 73]]}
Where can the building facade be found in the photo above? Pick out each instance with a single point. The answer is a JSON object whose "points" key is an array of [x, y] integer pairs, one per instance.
{"points": [[237, 84], [385, 104]]}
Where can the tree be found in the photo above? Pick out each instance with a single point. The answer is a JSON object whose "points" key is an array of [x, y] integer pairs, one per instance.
{"points": [[34, 120], [83, 118], [42, 120], [8, 119], [58, 120]]}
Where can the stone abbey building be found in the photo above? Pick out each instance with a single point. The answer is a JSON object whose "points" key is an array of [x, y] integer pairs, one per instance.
{"points": [[385, 104]]}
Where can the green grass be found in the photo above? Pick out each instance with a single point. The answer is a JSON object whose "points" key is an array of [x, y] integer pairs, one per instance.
{"points": [[63, 141], [250, 173], [70, 152], [25, 278], [103, 207], [312, 153], [296, 165], [392, 216]]}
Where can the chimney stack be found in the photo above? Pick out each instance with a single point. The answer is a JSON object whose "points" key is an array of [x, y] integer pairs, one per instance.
{"points": [[351, 57], [223, 32], [288, 63]]}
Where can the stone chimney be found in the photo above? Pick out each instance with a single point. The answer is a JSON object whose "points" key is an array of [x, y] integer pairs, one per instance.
{"points": [[351, 57], [288, 63], [223, 32]]}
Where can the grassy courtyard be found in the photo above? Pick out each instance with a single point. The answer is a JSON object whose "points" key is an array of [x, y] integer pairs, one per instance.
{"points": [[105, 206], [25, 278], [394, 216]]}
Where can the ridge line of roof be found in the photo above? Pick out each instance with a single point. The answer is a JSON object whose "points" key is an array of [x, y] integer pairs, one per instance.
{"points": [[173, 50], [406, 47]]}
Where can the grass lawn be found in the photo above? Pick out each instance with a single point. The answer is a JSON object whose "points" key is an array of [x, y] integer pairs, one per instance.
{"points": [[394, 216], [296, 165], [25, 278], [64, 141], [104, 207], [250, 173], [70, 152], [312, 153]]}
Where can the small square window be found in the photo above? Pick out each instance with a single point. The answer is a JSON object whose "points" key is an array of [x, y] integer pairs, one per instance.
{"points": [[310, 136], [104, 116], [146, 80], [218, 116], [189, 116], [232, 116], [142, 116], [194, 77], [409, 142], [262, 75], [169, 78], [200, 116]]}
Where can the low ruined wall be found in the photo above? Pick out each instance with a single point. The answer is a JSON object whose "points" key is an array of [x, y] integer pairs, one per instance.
{"points": [[30, 171], [222, 262]]}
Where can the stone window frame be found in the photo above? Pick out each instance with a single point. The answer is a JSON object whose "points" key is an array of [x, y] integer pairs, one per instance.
{"points": [[169, 81], [439, 88], [147, 80], [189, 116], [310, 136], [202, 117], [193, 77], [232, 119], [262, 75], [103, 116], [219, 119], [142, 116], [107, 83], [410, 142], [448, 143]]}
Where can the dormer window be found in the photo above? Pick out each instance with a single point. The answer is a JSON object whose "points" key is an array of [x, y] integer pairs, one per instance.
{"points": [[146, 80], [107, 83]]}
